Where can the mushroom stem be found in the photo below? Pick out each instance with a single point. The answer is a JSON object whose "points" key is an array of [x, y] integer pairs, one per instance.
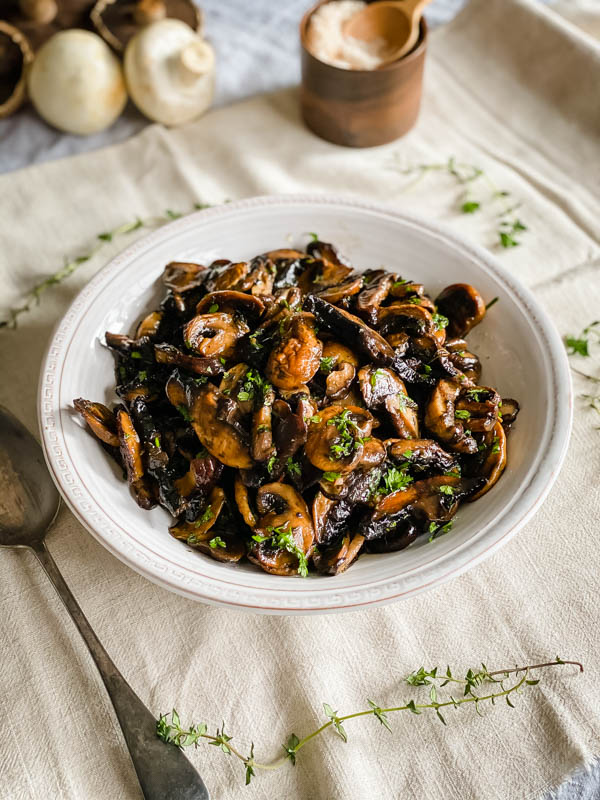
{"points": [[194, 60], [148, 11], [42, 11]]}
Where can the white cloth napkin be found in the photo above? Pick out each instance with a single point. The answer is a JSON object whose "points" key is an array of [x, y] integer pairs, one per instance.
{"points": [[512, 88]]}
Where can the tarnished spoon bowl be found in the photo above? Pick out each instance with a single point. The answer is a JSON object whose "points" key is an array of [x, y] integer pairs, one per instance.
{"points": [[28, 505]]}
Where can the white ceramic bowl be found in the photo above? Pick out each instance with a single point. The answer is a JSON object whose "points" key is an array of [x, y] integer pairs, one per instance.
{"points": [[521, 352]]}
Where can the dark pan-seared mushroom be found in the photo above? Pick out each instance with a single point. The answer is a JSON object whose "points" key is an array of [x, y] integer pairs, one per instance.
{"points": [[296, 359], [101, 420], [214, 334], [463, 306], [259, 389], [350, 328]]}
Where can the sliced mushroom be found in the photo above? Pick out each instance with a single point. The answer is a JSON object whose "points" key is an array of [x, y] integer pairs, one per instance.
{"points": [[380, 386], [150, 435], [214, 334], [168, 354], [405, 318], [261, 278], [219, 437], [468, 363], [132, 455], [463, 306], [232, 303], [441, 419], [495, 460], [149, 326], [290, 428], [335, 437], [181, 276], [224, 547], [410, 292], [227, 277], [336, 558], [377, 287], [100, 419], [347, 288], [479, 407], [262, 433], [350, 328], [400, 535], [431, 500], [339, 364], [423, 454], [509, 408], [242, 499], [199, 530], [296, 359], [282, 509]]}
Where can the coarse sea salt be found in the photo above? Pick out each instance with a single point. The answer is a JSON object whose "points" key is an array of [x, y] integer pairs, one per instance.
{"points": [[326, 40]]}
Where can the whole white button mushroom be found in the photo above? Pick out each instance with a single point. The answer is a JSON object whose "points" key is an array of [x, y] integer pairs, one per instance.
{"points": [[76, 83], [169, 71]]}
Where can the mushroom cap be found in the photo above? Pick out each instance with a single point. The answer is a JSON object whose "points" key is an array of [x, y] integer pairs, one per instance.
{"points": [[15, 58], [76, 83], [169, 71]]}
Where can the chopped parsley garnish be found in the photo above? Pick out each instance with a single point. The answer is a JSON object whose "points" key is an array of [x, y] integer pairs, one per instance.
{"points": [[415, 300], [374, 376], [496, 445], [135, 354], [206, 516], [142, 375], [445, 489], [331, 476], [395, 479], [475, 394], [440, 322], [315, 418], [398, 284], [283, 539], [436, 530], [346, 442], [470, 206], [272, 464], [462, 413], [184, 413], [326, 364], [293, 467], [405, 402], [213, 308], [216, 542], [157, 442]]}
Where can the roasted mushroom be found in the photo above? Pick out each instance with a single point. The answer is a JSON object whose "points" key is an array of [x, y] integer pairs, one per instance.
{"points": [[441, 419], [381, 387], [214, 334], [101, 420], [463, 306], [132, 455], [296, 359], [336, 437]]}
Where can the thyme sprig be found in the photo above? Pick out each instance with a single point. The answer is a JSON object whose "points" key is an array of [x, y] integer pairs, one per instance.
{"points": [[170, 729], [580, 346], [473, 196], [34, 296]]}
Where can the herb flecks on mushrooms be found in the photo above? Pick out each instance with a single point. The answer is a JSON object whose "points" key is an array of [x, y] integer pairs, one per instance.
{"points": [[297, 413]]}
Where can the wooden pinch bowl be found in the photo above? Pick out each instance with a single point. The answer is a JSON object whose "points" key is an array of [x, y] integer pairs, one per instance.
{"points": [[361, 108]]}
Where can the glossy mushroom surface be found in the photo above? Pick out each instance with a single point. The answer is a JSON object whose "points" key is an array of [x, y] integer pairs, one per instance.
{"points": [[293, 411]]}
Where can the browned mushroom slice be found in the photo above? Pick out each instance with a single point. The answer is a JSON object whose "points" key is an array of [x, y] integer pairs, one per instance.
{"points": [[231, 303], [431, 500], [214, 334], [401, 534], [181, 276], [101, 420], [468, 363], [336, 436], [339, 364], [227, 278], [260, 279], [327, 252], [409, 292], [336, 558], [495, 460], [381, 386], [220, 438], [478, 406], [509, 408], [441, 420], [242, 499], [132, 453], [286, 535], [350, 328], [295, 360], [262, 434], [406, 318], [199, 530], [168, 354], [423, 454], [150, 325], [463, 306], [377, 287], [335, 294], [224, 547]]}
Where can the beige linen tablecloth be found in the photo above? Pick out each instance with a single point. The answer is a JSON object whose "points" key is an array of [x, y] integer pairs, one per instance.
{"points": [[514, 89]]}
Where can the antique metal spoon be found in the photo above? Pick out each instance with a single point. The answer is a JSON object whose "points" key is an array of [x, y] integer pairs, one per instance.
{"points": [[28, 505]]}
